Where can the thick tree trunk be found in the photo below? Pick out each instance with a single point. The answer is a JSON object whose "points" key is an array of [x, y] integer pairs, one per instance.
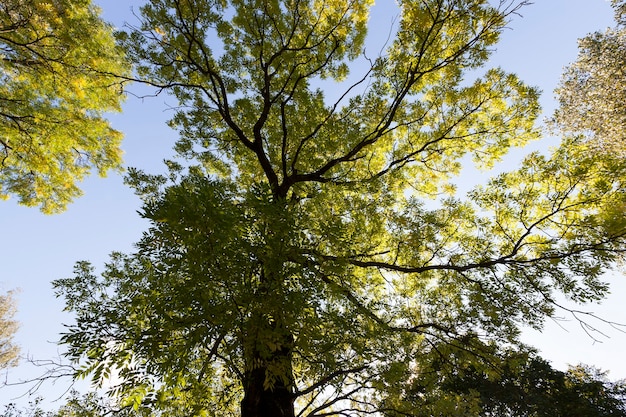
{"points": [[261, 402], [274, 399], [268, 346]]}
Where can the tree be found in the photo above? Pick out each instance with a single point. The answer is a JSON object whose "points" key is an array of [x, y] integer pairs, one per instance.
{"points": [[296, 262], [8, 327], [514, 383], [56, 64], [592, 90]]}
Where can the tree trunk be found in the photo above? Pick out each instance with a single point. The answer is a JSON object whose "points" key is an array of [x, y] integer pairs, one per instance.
{"points": [[275, 399], [261, 402]]}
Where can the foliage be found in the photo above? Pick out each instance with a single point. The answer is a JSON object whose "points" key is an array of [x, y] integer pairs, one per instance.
{"points": [[33, 410], [8, 327], [299, 264], [592, 90], [76, 405], [57, 58], [514, 383]]}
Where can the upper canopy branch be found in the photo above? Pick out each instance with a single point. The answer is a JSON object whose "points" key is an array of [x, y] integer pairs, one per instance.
{"points": [[413, 75]]}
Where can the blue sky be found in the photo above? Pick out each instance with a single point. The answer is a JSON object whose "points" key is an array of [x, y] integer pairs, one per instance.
{"points": [[37, 249]]}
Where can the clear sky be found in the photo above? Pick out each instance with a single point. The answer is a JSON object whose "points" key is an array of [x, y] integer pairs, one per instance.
{"points": [[36, 249]]}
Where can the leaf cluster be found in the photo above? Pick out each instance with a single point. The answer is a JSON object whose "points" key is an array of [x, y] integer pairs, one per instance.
{"points": [[58, 68]]}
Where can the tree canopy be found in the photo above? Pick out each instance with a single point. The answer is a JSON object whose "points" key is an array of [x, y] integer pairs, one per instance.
{"points": [[513, 383], [297, 262], [57, 60], [8, 351], [592, 90]]}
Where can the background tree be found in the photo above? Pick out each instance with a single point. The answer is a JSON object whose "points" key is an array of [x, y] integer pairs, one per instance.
{"points": [[8, 351], [298, 264], [593, 89], [56, 61], [511, 382]]}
